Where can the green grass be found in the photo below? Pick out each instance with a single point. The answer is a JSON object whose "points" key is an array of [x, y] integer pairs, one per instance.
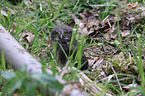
{"points": [[40, 17]]}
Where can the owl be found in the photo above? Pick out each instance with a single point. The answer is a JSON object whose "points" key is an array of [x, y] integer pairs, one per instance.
{"points": [[60, 45]]}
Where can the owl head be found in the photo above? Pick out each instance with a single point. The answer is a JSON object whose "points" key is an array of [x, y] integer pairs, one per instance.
{"points": [[61, 33]]}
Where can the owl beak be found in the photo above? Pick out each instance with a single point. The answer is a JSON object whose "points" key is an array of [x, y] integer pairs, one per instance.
{"points": [[61, 36]]}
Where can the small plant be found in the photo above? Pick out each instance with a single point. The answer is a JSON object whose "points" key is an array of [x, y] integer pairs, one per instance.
{"points": [[22, 83]]}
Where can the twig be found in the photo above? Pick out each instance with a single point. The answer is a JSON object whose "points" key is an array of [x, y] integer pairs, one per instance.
{"points": [[116, 77], [76, 4]]}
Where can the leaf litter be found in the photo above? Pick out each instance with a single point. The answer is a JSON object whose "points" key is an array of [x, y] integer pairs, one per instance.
{"points": [[103, 41], [101, 54]]}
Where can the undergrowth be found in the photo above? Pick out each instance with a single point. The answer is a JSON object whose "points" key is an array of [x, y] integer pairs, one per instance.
{"points": [[113, 33]]}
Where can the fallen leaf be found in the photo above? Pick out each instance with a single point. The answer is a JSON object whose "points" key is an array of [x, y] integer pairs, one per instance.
{"points": [[48, 41], [125, 33], [27, 38], [4, 13], [133, 6], [128, 87]]}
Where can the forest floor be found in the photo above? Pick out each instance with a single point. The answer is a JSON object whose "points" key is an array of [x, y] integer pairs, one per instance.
{"points": [[114, 34]]}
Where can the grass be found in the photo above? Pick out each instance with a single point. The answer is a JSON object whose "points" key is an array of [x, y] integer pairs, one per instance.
{"points": [[3, 61], [121, 61], [139, 60]]}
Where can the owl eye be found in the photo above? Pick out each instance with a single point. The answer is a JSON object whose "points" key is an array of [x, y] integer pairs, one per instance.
{"points": [[56, 34], [65, 33]]}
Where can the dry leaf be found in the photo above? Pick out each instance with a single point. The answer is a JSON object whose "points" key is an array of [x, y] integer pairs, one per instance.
{"points": [[48, 41], [27, 38], [92, 60], [4, 13], [133, 6], [128, 87], [125, 33]]}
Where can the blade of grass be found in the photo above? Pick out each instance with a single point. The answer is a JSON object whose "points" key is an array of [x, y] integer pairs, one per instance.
{"points": [[59, 10], [18, 20], [20, 29], [50, 3], [116, 78], [119, 35], [71, 53], [35, 42], [73, 38], [3, 60], [39, 46], [1, 2], [0, 11], [139, 63], [131, 32], [80, 52]]}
